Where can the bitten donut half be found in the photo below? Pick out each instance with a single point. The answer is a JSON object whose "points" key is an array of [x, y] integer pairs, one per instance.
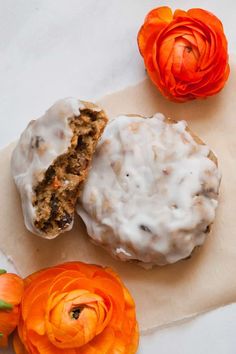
{"points": [[51, 161], [152, 191]]}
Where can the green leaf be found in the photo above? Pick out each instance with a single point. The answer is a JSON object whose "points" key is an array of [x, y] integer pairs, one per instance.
{"points": [[2, 271], [5, 305]]}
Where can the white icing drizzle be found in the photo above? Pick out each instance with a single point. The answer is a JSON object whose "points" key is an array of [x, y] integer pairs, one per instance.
{"points": [[151, 192], [40, 144]]}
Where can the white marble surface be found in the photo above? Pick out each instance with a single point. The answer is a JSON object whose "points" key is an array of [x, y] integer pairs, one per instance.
{"points": [[87, 48]]}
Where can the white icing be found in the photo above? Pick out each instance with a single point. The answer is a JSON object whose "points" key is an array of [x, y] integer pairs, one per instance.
{"points": [[151, 191], [29, 162]]}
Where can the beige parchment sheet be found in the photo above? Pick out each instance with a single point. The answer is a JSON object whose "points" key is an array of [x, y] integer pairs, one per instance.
{"points": [[167, 294]]}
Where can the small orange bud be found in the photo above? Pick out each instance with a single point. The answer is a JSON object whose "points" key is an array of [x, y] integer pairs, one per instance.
{"points": [[11, 290]]}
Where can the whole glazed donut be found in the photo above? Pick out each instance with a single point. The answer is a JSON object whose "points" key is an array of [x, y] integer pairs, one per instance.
{"points": [[151, 194]]}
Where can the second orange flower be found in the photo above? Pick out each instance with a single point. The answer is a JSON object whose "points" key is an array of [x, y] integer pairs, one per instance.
{"points": [[185, 53], [76, 308]]}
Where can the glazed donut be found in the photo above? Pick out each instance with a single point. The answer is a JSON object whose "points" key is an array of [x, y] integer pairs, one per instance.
{"points": [[51, 161], [151, 194]]}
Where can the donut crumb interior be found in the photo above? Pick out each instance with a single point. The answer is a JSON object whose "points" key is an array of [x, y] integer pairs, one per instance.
{"points": [[55, 196]]}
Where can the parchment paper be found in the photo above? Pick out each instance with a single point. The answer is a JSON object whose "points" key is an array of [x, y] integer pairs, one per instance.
{"points": [[164, 294]]}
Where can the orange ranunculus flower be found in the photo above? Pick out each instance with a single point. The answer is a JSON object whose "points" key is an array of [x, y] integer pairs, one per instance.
{"points": [[185, 53], [76, 308], [11, 290]]}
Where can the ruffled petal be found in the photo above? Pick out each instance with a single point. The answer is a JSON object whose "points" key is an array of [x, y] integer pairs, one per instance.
{"points": [[18, 346], [207, 17], [8, 322], [163, 13], [11, 288]]}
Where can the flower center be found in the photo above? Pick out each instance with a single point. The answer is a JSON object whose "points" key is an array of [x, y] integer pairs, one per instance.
{"points": [[75, 313], [188, 49]]}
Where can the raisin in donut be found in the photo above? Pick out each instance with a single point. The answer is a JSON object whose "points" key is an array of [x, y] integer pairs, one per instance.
{"points": [[151, 194], [51, 161]]}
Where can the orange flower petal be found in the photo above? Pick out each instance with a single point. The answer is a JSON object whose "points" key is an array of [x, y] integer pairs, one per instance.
{"points": [[8, 322], [44, 346], [83, 283], [147, 35], [36, 314], [163, 13], [3, 341], [180, 13], [206, 17], [11, 288], [166, 49], [105, 343], [18, 345]]}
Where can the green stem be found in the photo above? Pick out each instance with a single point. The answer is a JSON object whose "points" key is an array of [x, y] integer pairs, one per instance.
{"points": [[2, 271], [5, 305], [1, 335]]}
